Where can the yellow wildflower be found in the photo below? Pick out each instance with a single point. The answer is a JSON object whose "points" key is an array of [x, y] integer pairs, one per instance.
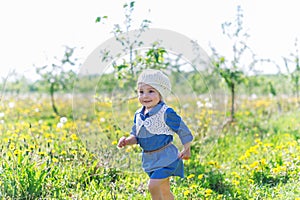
{"points": [[74, 136], [245, 167], [251, 181], [74, 152], [186, 193], [193, 186], [236, 175], [17, 152], [200, 176], [208, 192], [254, 165], [212, 163], [49, 141], [268, 145], [253, 149], [258, 141], [235, 182], [191, 176], [41, 153], [242, 158], [263, 161]]}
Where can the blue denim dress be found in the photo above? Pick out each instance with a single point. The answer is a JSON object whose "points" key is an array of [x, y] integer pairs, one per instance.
{"points": [[161, 163]]}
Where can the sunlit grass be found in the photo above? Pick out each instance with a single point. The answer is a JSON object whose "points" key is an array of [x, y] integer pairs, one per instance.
{"points": [[51, 157]]}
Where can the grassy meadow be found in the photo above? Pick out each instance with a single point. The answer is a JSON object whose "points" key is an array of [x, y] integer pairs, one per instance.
{"points": [[44, 156]]}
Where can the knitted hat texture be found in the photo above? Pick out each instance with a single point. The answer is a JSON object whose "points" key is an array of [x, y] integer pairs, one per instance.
{"points": [[157, 79]]}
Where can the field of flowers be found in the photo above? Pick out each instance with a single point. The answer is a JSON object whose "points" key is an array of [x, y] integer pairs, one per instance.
{"points": [[44, 156]]}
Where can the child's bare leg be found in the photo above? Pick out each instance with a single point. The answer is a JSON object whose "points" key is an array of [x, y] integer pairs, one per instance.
{"points": [[154, 189], [166, 190], [160, 189]]}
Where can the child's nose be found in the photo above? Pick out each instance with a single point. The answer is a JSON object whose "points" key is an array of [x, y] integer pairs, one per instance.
{"points": [[145, 94]]}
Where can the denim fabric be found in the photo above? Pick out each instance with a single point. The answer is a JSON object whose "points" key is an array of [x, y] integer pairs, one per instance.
{"points": [[149, 142]]}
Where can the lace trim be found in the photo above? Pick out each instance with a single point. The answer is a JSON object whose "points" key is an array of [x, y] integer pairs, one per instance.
{"points": [[155, 124]]}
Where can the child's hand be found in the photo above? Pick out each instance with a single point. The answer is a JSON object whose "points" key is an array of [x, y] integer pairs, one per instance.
{"points": [[122, 142], [185, 154]]}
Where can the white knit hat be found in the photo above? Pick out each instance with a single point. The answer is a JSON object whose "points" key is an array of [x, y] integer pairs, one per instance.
{"points": [[157, 80]]}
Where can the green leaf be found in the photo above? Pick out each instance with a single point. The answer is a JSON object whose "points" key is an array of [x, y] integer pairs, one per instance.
{"points": [[120, 67], [132, 4], [272, 89], [222, 60], [98, 19]]}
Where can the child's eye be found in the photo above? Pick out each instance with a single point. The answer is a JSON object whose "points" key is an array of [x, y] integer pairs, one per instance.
{"points": [[141, 92], [151, 91]]}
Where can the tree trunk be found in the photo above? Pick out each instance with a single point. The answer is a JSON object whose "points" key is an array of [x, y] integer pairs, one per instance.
{"points": [[232, 102], [52, 99], [297, 94]]}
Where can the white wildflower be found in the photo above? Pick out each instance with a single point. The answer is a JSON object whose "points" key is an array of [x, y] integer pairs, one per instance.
{"points": [[11, 104], [59, 125], [102, 119], [199, 104], [63, 120]]}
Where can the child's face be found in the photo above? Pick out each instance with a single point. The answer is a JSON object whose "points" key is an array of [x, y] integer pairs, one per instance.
{"points": [[148, 96]]}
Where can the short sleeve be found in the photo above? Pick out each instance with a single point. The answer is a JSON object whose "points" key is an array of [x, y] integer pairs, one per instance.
{"points": [[174, 121]]}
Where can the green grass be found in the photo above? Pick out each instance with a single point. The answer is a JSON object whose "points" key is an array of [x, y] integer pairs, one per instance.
{"points": [[257, 157]]}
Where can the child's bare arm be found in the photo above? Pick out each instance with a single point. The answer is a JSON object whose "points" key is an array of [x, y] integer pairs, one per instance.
{"points": [[124, 141]]}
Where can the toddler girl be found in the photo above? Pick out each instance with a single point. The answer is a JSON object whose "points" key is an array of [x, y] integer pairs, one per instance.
{"points": [[154, 126]]}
